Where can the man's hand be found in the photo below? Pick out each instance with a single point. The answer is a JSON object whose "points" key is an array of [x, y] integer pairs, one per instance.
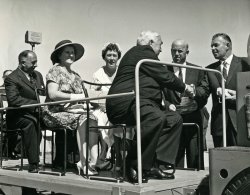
{"points": [[189, 90], [229, 93], [172, 107], [232, 94]]}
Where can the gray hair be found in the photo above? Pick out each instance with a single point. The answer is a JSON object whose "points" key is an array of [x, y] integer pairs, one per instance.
{"points": [[146, 36], [24, 54]]}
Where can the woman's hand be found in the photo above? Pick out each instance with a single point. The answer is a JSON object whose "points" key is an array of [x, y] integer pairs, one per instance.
{"points": [[54, 93]]}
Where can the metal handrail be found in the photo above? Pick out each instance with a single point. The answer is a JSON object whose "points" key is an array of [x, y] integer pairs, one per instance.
{"points": [[58, 102], [137, 96], [68, 101], [97, 84]]}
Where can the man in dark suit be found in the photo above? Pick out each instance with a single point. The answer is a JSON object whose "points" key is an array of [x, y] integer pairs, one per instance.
{"points": [[21, 87], [229, 65], [160, 129], [188, 143]]}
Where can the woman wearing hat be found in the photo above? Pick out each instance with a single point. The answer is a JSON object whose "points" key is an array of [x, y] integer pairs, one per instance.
{"points": [[65, 84]]}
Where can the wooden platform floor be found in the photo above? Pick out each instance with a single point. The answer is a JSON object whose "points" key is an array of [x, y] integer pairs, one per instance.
{"points": [[72, 183]]}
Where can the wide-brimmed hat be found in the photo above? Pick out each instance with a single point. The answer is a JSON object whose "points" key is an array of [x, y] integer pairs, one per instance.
{"points": [[79, 50]]}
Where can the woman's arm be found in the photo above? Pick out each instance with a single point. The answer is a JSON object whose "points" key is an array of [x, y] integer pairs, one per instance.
{"points": [[56, 95]]}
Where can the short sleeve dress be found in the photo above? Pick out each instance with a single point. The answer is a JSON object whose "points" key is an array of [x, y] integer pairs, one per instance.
{"points": [[100, 76], [57, 115]]}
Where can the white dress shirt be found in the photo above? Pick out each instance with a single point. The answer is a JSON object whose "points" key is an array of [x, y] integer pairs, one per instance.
{"points": [[177, 70], [228, 61]]}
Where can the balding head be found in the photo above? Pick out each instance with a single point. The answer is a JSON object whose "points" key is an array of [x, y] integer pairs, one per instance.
{"points": [[27, 61], [179, 51], [180, 42]]}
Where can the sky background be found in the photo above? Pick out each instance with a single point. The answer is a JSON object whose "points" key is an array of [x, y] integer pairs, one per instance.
{"points": [[96, 22]]}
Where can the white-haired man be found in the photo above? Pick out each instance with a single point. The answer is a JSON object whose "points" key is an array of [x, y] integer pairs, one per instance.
{"points": [[160, 129]]}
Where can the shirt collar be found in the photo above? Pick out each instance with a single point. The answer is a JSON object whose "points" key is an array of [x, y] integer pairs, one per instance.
{"points": [[177, 68], [228, 60], [25, 73]]}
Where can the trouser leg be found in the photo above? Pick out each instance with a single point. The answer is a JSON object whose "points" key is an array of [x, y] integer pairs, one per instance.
{"points": [[104, 149], [31, 141], [153, 121], [231, 136], [181, 152], [169, 141], [192, 153], [217, 140], [12, 142]]}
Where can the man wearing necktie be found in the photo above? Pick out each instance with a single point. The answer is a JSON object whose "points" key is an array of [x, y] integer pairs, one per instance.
{"points": [[229, 65], [20, 88], [188, 143]]}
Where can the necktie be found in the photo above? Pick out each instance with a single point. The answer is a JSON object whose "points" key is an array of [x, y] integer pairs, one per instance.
{"points": [[31, 79], [224, 70], [180, 75]]}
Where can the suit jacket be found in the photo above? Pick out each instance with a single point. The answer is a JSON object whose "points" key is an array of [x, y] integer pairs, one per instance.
{"points": [[20, 91], [192, 77], [210, 84], [152, 78]]}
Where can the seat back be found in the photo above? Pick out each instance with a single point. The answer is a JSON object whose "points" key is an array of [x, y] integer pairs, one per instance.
{"points": [[3, 104], [3, 101]]}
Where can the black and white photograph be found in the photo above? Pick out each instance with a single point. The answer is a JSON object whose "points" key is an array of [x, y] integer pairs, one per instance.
{"points": [[115, 97]]}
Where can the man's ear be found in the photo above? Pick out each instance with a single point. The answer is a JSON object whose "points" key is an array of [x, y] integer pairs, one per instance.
{"points": [[187, 52], [228, 45], [150, 42]]}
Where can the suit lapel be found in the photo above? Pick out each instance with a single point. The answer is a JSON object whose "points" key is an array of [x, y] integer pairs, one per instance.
{"points": [[175, 94], [217, 67], [189, 74], [233, 66], [25, 79]]}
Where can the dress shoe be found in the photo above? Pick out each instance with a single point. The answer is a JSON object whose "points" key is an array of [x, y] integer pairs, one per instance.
{"points": [[157, 173], [132, 176], [33, 168], [165, 166]]}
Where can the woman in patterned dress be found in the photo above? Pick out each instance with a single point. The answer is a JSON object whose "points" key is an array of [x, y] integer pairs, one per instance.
{"points": [[65, 84]]}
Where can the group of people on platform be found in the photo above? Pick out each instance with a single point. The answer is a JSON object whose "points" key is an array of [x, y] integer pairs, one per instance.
{"points": [[169, 96]]}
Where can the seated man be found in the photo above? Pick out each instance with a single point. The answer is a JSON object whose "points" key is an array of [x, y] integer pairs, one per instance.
{"points": [[20, 88], [160, 129]]}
